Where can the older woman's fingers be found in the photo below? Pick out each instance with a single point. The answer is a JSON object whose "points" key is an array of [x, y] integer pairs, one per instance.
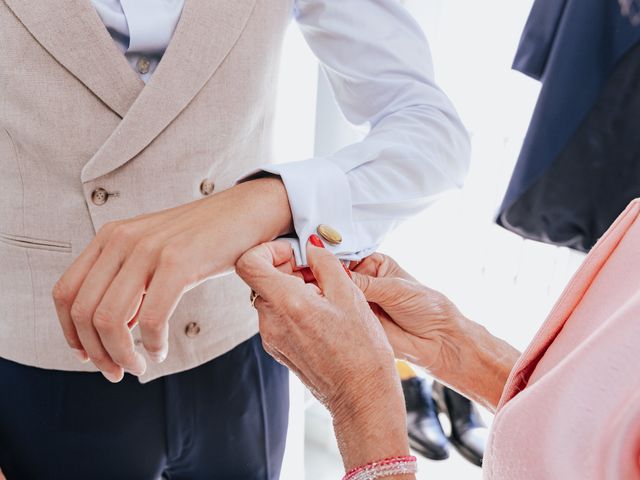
{"points": [[401, 341], [328, 271], [379, 265], [259, 268], [307, 275], [362, 281], [378, 290], [372, 287], [370, 265], [288, 270]]}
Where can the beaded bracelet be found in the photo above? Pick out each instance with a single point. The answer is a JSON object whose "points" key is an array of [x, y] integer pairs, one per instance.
{"points": [[384, 468]]}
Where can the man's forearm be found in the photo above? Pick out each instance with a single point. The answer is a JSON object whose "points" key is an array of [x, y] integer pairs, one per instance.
{"points": [[250, 213], [148, 262], [270, 206]]}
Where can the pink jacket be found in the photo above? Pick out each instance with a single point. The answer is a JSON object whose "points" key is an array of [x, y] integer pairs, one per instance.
{"points": [[571, 406]]}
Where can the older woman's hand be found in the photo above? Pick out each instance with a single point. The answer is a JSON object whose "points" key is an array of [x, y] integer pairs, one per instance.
{"points": [[426, 328], [328, 335], [421, 323]]}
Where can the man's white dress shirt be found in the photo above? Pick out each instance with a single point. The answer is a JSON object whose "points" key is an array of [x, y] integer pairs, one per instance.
{"points": [[378, 63]]}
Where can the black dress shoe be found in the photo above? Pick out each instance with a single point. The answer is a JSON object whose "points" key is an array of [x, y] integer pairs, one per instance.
{"points": [[425, 432], [468, 431]]}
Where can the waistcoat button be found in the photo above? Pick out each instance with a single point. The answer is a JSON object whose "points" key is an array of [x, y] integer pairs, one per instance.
{"points": [[192, 329], [99, 196], [206, 187], [143, 65]]}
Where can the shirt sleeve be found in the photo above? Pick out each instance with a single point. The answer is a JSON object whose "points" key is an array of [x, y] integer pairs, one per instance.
{"points": [[378, 63]]}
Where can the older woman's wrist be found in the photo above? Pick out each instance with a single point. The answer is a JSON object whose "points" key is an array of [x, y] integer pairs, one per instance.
{"points": [[474, 362], [370, 421]]}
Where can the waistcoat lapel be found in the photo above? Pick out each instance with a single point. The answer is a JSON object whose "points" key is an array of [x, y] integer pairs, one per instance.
{"points": [[204, 36], [567, 303], [72, 32]]}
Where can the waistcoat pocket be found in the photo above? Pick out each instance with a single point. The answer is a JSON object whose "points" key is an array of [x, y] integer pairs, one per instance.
{"points": [[35, 243]]}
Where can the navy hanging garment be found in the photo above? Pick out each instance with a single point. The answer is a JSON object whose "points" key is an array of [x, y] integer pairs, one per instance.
{"points": [[580, 161]]}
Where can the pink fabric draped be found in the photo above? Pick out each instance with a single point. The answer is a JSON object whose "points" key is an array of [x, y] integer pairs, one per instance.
{"points": [[571, 406]]}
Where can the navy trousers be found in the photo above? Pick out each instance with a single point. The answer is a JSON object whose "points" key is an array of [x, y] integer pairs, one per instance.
{"points": [[226, 419]]}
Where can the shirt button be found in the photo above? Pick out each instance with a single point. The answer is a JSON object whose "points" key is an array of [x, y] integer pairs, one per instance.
{"points": [[192, 329], [99, 196], [137, 342], [330, 234], [143, 65], [206, 187]]}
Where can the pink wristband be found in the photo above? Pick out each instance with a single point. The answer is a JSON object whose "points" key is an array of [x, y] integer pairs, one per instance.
{"points": [[383, 468]]}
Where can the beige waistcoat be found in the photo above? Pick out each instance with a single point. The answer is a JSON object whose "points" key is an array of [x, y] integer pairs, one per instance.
{"points": [[75, 117]]}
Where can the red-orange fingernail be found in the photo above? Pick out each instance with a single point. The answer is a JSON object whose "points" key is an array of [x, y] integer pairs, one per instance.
{"points": [[315, 241], [307, 275], [347, 270]]}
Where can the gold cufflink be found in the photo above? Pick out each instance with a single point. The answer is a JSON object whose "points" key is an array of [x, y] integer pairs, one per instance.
{"points": [[330, 234]]}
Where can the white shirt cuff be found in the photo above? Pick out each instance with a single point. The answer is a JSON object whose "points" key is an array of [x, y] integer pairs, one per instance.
{"points": [[318, 193]]}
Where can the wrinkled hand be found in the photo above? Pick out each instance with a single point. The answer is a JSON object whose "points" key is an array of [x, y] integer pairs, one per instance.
{"points": [[425, 328], [136, 271], [419, 322], [325, 333]]}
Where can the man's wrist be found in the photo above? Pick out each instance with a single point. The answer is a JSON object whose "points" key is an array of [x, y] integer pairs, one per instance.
{"points": [[267, 205], [242, 217]]}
